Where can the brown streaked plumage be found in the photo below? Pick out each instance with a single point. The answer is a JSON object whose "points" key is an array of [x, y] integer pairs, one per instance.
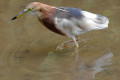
{"points": [[48, 22], [47, 17]]}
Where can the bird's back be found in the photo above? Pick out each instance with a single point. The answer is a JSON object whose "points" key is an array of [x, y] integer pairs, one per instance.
{"points": [[67, 12]]}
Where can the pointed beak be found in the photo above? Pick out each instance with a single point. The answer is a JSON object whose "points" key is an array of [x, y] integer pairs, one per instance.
{"points": [[21, 13]]}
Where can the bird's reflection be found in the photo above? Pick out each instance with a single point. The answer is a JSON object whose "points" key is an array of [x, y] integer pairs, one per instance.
{"points": [[88, 72], [63, 67]]}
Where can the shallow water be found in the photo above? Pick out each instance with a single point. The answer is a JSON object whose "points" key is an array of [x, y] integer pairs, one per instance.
{"points": [[27, 50]]}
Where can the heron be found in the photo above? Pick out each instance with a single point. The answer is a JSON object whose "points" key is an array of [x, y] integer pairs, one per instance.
{"points": [[66, 21]]}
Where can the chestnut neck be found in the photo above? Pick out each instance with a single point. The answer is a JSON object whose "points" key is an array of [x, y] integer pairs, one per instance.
{"points": [[47, 11]]}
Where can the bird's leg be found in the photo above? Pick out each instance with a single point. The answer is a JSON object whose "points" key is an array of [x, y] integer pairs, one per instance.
{"points": [[75, 39], [68, 44]]}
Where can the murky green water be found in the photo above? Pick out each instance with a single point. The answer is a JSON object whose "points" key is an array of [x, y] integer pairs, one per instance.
{"points": [[27, 48]]}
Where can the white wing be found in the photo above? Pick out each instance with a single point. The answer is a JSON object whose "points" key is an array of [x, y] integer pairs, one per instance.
{"points": [[92, 21], [75, 21]]}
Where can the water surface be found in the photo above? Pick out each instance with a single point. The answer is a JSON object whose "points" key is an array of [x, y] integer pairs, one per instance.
{"points": [[28, 49]]}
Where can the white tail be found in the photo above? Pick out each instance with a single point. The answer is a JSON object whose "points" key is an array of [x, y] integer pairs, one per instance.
{"points": [[94, 21]]}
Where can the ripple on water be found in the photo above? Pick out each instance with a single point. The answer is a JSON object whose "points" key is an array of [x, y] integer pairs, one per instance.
{"points": [[27, 63]]}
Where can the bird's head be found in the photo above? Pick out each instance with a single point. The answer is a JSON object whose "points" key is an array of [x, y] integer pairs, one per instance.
{"points": [[34, 8]]}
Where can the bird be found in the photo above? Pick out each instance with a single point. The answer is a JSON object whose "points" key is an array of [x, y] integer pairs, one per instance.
{"points": [[66, 21]]}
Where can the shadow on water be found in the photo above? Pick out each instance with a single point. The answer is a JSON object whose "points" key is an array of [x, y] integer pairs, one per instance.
{"points": [[73, 69]]}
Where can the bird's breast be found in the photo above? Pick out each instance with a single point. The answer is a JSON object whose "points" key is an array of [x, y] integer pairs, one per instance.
{"points": [[49, 23]]}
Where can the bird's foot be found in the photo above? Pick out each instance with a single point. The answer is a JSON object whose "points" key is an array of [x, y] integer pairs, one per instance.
{"points": [[65, 45], [69, 44]]}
